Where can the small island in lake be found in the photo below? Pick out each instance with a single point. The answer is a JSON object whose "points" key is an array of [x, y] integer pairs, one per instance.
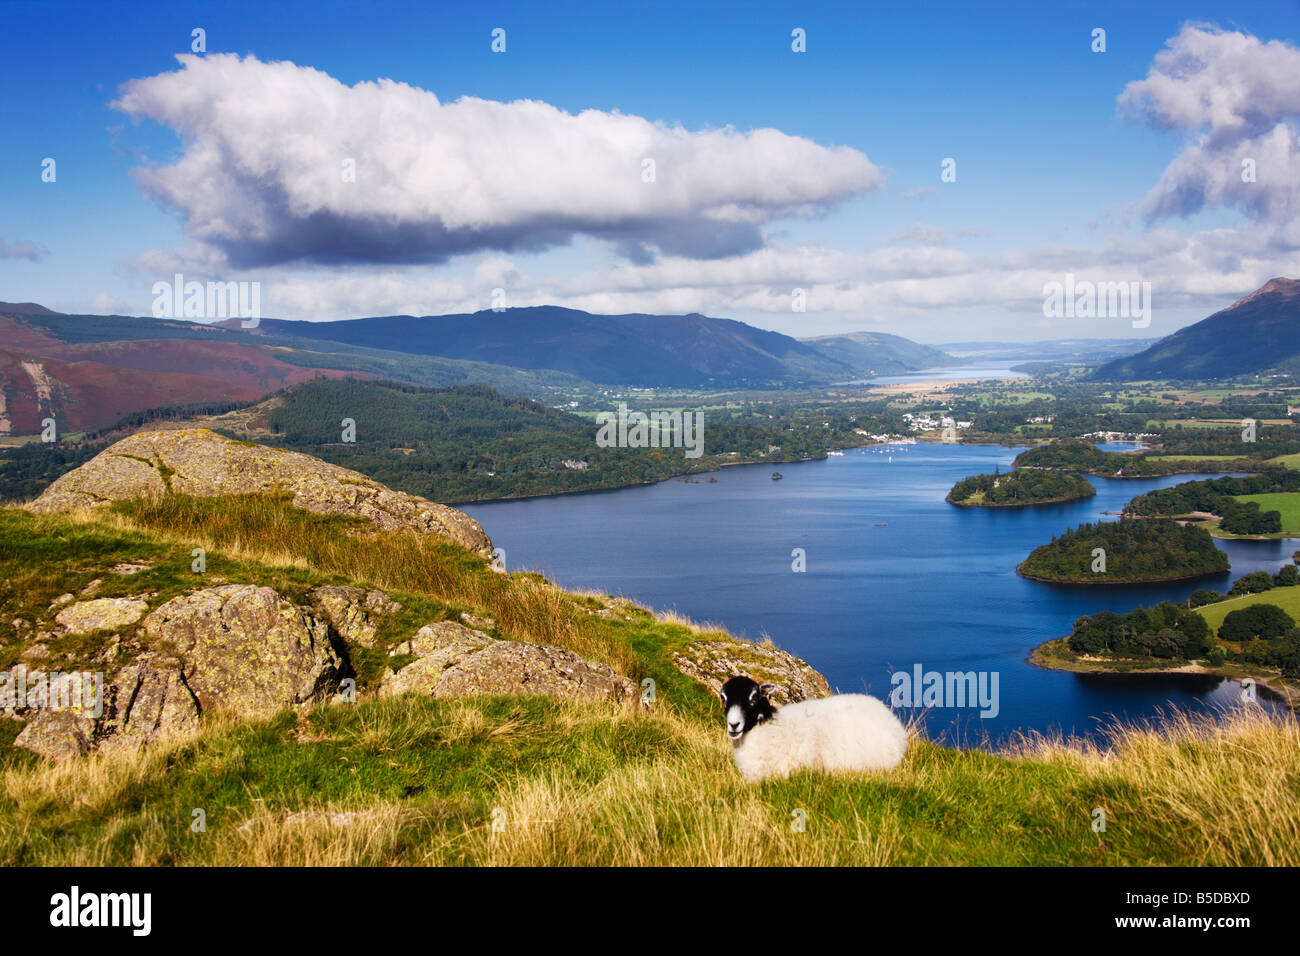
{"points": [[1246, 633], [1019, 489], [1083, 456], [1126, 552]]}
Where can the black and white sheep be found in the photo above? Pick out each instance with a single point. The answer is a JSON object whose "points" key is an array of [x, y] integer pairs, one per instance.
{"points": [[843, 732]]}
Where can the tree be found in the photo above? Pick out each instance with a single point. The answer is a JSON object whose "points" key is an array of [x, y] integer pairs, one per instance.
{"points": [[1262, 621], [1254, 583]]}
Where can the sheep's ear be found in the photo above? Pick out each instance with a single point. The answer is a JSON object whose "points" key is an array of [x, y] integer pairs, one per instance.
{"points": [[767, 690]]}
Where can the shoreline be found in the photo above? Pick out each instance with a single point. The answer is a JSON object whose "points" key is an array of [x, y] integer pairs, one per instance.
{"points": [[1104, 584], [1053, 655], [1020, 504]]}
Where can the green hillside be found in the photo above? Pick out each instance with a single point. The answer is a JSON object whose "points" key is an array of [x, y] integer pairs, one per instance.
{"points": [[1254, 334], [1288, 599], [532, 780]]}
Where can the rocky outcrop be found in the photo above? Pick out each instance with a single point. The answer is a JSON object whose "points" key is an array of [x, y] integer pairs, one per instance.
{"points": [[237, 648], [199, 462], [101, 614], [354, 613], [148, 700], [455, 661], [246, 648], [712, 663], [58, 734]]}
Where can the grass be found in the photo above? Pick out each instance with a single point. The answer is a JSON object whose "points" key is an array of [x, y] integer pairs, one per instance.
{"points": [[1289, 461], [1287, 502], [1196, 457], [1288, 599], [532, 780], [419, 782]]}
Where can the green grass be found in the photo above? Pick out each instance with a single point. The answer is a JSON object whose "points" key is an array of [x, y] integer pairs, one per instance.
{"points": [[587, 784], [1287, 502], [1288, 599], [1195, 457], [1289, 461]]}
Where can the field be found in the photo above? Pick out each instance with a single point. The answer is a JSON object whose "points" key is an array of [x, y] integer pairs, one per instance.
{"points": [[1288, 599], [1286, 502], [1195, 457], [1290, 461]]}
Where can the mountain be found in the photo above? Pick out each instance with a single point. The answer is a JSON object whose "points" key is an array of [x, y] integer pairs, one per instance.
{"points": [[1255, 334], [87, 385], [89, 371], [24, 308], [680, 351], [878, 353]]}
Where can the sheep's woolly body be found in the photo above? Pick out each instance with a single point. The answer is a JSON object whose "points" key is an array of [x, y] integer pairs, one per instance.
{"points": [[844, 732]]}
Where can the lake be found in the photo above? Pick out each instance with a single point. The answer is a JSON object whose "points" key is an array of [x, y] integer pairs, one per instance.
{"points": [[958, 373], [895, 576]]}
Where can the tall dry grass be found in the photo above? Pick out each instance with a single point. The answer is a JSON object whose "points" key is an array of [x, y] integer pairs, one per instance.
{"points": [[1192, 792], [267, 530]]}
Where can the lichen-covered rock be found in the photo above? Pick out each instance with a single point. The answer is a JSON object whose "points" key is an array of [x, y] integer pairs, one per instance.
{"points": [[436, 647], [101, 614], [513, 667], [147, 700], [196, 461], [58, 734], [456, 661], [246, 649], [354, 613], [713, 663]]}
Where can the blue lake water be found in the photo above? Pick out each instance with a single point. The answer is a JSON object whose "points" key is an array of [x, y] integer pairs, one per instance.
{"points": [[950, 374], [895, 576]]}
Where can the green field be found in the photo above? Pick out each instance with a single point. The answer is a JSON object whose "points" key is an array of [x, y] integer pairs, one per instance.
{"points": [[1290, 461], [1196, 457], [1288, 599], [1287, 502]]}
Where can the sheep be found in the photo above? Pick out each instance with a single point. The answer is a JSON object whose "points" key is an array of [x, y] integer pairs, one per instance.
{"points": [[843, 732]]}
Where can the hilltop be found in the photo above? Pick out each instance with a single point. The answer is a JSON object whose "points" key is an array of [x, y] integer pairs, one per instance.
{"points": [[1257, 333], [878, 353], [495, 719]]}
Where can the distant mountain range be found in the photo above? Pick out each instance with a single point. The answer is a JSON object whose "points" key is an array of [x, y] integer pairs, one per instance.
{"points": [[88, 371], [1258, 333], [676, 351], [878, 353]]}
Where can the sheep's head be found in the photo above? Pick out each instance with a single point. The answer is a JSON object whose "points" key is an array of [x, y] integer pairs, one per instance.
{"points": [[745, 704]]}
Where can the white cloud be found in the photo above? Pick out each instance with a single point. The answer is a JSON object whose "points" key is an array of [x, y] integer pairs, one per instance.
{"points": [[1237, 97], [262, 174], [844, 290], [105, 303]]}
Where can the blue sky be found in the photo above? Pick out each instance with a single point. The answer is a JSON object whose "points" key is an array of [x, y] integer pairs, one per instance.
{"points": [[1054, 174]]}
